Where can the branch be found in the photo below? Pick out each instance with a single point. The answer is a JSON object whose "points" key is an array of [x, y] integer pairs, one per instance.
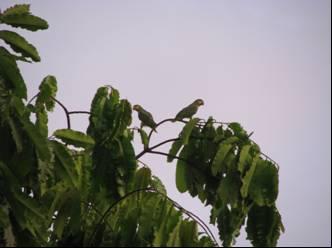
{"points": [[89, 205], [158, 124], [198, 220], [65, 110], [33, 98], [79, 112], [155, 146], [175, 204], [169, 155], [109, 210]]}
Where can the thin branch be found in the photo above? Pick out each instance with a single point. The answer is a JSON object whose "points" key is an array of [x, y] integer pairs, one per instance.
{"points": [[33, 98], [89, 205], [164, 142], [198, 220], [169, 155], [155, 146], [175, 204], [65, 110], [79, 112], [144, 164], [104, 216], [158, 124]]}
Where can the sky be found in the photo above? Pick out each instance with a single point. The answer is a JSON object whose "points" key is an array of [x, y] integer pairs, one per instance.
{"points": [[265, 64]]}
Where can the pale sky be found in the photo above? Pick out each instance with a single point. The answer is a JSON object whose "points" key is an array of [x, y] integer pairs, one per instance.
{"points": [[265, 64]]}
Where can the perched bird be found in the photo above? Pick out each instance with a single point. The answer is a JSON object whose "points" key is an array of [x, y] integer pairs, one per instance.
{"points": [[145, 117], [190, 110]]}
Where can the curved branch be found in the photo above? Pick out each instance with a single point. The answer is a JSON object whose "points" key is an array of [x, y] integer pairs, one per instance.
{"points": [[158, 124], [175, 204], [144, 164], [65, 110], [67, 113], [33, 98], [89, 205], [104, 216], [198, 220]]}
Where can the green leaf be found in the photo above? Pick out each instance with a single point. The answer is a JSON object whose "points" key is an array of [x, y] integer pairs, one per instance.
{"points": [[47, 91], [10, 72], [19, 44], [174, 238], [29, 204], [38, 140], [41, 122], [243, 157], [142, 178], [176, 146], [236, 127], [66, 161], [68, 217], [11, 181], [4, 218], [144, 138], [16, 135], [17, 10], [188, 233], [181, 180], [229, 189], [24, 20], [188, 128], [264, 184], [264, 226], [222, 152], [158, 185], [97, 108], [181, 173], [74, 138], [161, 234], [229, 222], [248, 176]]}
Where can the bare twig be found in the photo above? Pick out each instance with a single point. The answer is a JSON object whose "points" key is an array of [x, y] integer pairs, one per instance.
{"points": [[79, 112]]}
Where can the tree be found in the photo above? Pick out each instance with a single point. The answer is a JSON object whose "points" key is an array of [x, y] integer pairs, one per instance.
{"points": [[90, 189]]}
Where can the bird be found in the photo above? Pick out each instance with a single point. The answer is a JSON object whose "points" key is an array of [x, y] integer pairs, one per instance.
{"points": [[190, 110], [145, 117]]}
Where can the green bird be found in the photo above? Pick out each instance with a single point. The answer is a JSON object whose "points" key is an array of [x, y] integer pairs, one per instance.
{"points": [[190, 110], [145, 117]]}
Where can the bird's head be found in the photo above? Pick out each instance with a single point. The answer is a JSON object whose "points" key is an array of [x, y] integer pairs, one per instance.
{"points": [[199, 102], [137, 107]]}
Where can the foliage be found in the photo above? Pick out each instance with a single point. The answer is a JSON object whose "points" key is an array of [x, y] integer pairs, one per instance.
{"points": [[87, 189]]}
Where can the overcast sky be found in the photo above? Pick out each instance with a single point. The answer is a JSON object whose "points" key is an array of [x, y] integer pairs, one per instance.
{"points": [[265, 64]]}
